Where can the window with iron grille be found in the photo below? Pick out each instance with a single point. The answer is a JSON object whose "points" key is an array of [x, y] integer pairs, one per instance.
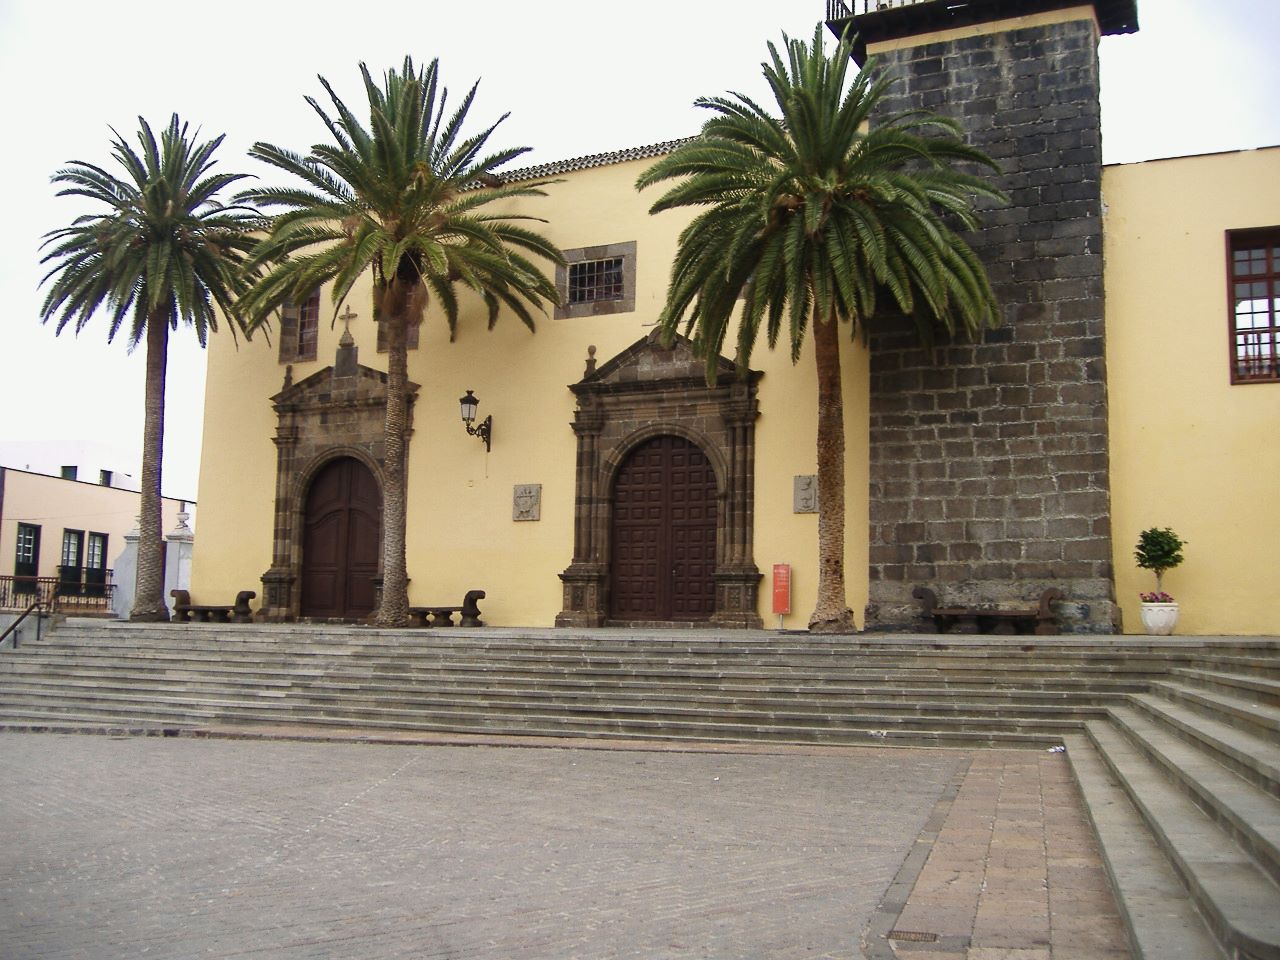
{"points": [[1254, 267], [300, 329], [595, 281]]}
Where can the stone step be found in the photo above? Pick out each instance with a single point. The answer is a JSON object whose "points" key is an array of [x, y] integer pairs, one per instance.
{"points": [[1258, 689], [143, 703], [666, 673], [1157, 909], [492, 696], [1238, 709], [960, 648], [1237, 898], [1250, 815], [359, 681], [1253, 664], [824, 658], [27, 717], [1253, 757], [555, 636]]}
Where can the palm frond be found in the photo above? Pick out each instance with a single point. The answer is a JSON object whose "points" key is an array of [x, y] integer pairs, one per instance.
{"points": [[395, 195], [810, 209]]}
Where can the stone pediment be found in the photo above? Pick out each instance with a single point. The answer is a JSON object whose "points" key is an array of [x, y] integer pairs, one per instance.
{"points": [[647, 361], [326, 388]]}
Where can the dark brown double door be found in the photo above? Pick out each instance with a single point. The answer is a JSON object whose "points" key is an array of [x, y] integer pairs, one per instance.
{"points": [[341, 541], [663, 553]]}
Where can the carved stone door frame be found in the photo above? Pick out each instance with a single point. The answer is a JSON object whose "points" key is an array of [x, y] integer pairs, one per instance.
{"points": [[644, 392], [339, 411]]}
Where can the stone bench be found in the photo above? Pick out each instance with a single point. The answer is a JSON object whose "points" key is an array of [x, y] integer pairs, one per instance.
{"points": [[184, 611], [443, 616], [1041, 621]]}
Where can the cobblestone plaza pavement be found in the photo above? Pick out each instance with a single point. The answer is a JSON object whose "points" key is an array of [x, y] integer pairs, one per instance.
{"points": [[115, 847]]}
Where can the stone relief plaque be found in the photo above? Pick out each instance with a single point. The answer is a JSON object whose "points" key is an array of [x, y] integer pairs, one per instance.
{"points": [[804, 497], [526, 502]]}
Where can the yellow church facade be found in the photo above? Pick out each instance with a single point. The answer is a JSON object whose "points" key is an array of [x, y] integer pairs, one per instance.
{"points": [[1134, 383]]}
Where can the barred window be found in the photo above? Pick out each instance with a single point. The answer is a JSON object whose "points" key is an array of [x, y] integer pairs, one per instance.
{"points": [[1255, 305], [597, 280], [308, 326], [594, 280], [300, 329]]}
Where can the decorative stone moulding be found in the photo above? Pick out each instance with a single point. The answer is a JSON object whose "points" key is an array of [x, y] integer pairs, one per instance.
{"points": [[646, 391], [804, 494], [526, 502]]}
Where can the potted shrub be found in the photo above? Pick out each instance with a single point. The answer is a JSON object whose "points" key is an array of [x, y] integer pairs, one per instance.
{"points": [[1159, 550]]}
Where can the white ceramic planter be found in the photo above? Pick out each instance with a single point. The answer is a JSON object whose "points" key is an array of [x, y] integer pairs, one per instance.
{"points": [[1159, 619]]}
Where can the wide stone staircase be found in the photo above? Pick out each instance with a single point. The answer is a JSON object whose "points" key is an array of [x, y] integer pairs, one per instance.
{"points": [[1175, 742]]}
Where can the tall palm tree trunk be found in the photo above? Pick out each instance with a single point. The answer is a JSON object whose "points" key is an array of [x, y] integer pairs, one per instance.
{"points": [[148, 590], [832, 613], [394, 609]]}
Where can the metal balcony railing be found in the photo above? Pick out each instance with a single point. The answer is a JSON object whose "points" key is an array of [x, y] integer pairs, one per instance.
{"points": [[840, 9], [84, 593]]}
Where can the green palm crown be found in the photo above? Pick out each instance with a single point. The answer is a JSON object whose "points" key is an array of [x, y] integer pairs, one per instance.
{"points": [[162, 248], [406, 197], [821, 209]]}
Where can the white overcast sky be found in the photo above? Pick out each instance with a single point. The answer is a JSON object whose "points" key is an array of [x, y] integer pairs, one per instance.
{"points": [[578, 77]]}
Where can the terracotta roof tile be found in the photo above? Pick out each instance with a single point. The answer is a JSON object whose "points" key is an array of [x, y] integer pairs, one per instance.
{"points": [[557, 167]]}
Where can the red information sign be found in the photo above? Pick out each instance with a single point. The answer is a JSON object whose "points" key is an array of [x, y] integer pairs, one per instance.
{"points": [[781, 588]]}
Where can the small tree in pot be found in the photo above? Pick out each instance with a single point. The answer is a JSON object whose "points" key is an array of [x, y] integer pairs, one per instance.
{"points": [[1159, 550]]}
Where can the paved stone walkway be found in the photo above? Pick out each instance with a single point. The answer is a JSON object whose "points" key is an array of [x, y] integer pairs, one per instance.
{"points": [[1011, 873], [175, 848]]}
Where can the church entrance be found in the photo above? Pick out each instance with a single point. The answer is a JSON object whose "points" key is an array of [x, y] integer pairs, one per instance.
{"points": [[663, 555], [341, 542]]}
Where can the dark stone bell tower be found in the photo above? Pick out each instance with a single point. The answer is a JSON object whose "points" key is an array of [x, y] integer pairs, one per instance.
{"points": [[989, 459]]}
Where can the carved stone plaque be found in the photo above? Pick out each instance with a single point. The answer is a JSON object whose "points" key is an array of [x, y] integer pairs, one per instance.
{"points": [[526, 502], [805, 495]]}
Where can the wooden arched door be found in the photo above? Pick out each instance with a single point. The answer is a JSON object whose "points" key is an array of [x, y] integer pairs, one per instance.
{"points": [[663, 543], [341, 542]]}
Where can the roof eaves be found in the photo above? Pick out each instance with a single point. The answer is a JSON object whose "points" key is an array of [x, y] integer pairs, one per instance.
{"points": [[558, 167]]}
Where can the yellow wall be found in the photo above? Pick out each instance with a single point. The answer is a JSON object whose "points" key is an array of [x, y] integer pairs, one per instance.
{"points": [[1189, 450], [56, 505], [461, 534], [238, 464]]}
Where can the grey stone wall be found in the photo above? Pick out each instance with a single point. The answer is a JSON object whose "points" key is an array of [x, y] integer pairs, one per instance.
{"points": [[989, 459]]}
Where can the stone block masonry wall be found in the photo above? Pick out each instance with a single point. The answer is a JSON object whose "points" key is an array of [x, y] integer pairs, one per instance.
{"points": [[989, 459]]}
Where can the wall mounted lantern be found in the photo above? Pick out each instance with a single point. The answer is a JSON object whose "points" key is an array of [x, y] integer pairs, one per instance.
{"points": [[484, 431]]}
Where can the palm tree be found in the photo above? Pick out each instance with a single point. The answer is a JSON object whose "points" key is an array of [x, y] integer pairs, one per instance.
{"points": [[818, 216], [163, 250], [405, 199]]}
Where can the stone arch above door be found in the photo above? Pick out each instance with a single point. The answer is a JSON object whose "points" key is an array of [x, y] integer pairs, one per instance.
{"points": [[646, 391], [339, 411]]}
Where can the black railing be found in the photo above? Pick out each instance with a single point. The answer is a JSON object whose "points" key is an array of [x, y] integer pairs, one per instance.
{"points": [[840, 9], [12, 629], [65, 592]]}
